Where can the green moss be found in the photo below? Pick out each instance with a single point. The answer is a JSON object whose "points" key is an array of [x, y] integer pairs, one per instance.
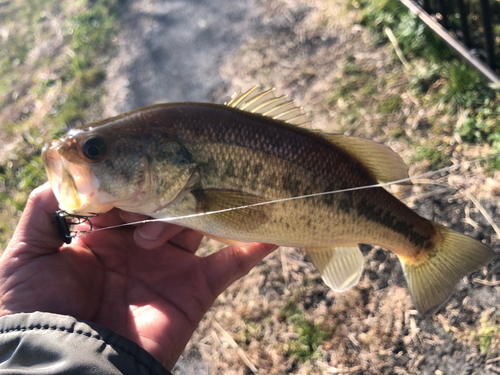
{"points": [[390, 104], [354, 89], [344, 90], [310, 335], [487, 337], [434, 156]]}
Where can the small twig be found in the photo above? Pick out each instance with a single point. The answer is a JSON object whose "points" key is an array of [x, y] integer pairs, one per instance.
{"points": [[333, 370], [428, 181], [395, 44], [233, 343], [284, 265], [493, 360], [484, 212], [486, 282], [492, 368], [469, 220], [413, 99], [413, 198]]}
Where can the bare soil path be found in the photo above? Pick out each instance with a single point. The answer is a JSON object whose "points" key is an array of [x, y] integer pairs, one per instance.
{"points": [[172, 50]]}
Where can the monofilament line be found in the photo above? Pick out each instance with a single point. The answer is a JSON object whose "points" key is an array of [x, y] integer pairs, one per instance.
{"points": [[427, 174]]}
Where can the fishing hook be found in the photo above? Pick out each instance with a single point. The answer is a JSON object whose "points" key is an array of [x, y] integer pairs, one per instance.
{"points": [[64, 226]]}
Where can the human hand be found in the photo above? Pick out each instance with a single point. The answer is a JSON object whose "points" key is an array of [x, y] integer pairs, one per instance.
{"points": [[154, 297]]}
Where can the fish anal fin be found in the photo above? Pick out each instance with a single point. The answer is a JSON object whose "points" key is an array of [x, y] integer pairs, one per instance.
{"points": [[339, 267], [432, 278], [267, 104], [251, 215], [385, 164]]}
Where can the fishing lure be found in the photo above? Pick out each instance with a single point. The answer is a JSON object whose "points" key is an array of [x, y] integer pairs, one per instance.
{"points": [[65, 227]]}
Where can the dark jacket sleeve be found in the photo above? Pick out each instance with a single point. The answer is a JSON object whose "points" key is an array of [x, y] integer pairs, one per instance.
{"points": [[45, 343]]}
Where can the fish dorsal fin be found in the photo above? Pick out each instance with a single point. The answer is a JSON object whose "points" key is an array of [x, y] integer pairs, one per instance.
{"points": [[267, 104], [339, 267], [385, 164]]}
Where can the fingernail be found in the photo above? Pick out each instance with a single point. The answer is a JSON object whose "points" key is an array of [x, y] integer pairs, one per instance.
{"points": [[151, 231]]}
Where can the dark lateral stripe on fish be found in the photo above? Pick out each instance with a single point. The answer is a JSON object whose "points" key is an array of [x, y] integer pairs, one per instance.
{"points": [[384, 217]]}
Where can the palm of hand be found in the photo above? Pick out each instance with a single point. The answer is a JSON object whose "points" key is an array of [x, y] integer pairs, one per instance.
{"points": [[154, 297]]}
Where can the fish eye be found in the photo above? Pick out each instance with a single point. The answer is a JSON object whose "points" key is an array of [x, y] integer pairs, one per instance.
{"points": [[94, 148]]}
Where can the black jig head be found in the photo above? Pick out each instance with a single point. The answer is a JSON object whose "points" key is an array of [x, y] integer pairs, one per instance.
{"points": [[64, 227]]}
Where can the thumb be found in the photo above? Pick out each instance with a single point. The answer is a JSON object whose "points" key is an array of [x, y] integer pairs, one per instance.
{"points": [[231, 263], [36, 232]]}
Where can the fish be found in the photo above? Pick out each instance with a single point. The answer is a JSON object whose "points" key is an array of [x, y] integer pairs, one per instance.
{"points": [[177, 160]]}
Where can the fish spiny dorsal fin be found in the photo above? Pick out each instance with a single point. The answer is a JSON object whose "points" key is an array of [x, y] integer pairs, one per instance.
{"points": [[267, 104], [385, 164]]}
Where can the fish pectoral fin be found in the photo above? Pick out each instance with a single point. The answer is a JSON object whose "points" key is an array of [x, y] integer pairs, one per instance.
{"points": [[432, 278], [385, 164], [240, 211], [339, 267]]}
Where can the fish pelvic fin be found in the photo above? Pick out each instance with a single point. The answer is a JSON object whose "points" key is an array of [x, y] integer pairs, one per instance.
{"points": [[339, 267], [432, 278], [385, 164]]}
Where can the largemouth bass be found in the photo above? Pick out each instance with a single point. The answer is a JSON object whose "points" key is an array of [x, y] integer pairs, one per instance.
{"points": [[178, 159]]}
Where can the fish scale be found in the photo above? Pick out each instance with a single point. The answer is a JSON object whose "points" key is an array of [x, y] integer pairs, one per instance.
{"points": [[181, 159]]}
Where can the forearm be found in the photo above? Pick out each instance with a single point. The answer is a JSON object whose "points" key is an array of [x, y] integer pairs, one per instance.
{"points": [[45, 343]]}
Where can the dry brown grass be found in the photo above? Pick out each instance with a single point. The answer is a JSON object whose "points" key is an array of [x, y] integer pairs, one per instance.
{"points": [[307, 51]]}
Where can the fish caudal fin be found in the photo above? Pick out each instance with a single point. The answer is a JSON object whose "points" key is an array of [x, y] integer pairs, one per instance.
{"points": [[339, 267], [432, 279]]}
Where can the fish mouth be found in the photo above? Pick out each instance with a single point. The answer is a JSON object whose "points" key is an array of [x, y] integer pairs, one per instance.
{"points": [[52, 162], [62, 183]]}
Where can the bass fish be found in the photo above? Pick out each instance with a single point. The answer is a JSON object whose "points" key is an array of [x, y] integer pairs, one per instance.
{"points": [[180, 159]]}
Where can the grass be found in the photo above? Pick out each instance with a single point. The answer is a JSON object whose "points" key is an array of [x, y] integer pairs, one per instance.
{"points": [[434, 157], [487, 337], [390, 104], [310, 335], [50, 80], [458, 101]]}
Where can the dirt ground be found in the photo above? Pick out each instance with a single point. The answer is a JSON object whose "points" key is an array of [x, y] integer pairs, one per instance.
{"points": [[201, 51]]}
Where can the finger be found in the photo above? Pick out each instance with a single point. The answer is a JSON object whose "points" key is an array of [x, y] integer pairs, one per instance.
{"points": [[130, 217], [108, 219], [188, 240], [153, 235], [36, 232], [114, 218], [109, 240], [231, 263]]}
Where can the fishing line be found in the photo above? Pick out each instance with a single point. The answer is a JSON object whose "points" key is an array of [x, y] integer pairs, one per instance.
{"points": [[77, 233]]}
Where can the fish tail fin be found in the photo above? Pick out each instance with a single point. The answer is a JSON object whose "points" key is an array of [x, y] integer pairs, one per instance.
{"points": [[432, 278]]}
